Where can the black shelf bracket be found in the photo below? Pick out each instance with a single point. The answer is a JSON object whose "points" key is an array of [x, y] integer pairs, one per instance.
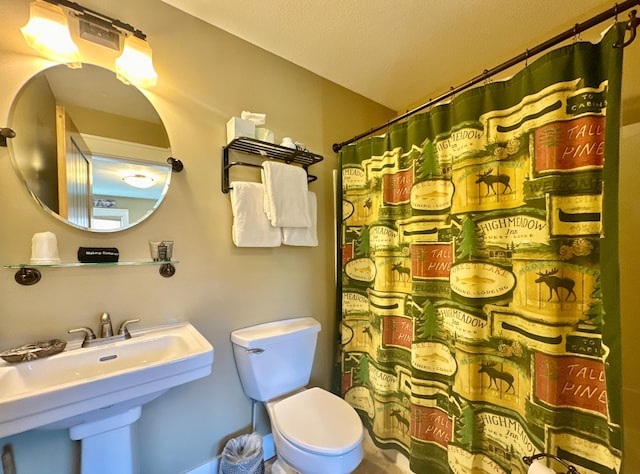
{"points": [[167, 270], [176, 165], [28, 276], [4, 134]]}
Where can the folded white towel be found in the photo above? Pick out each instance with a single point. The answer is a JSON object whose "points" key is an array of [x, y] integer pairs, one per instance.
{"points": [[304, 236], [251, 228], [286, 191]]}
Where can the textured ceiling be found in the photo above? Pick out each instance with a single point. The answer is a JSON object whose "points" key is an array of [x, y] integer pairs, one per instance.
{"points": [[396, 52]]}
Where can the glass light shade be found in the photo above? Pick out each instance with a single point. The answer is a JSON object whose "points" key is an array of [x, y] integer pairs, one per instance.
{"points": [[134, 65], [139, 181], [48, 32]]}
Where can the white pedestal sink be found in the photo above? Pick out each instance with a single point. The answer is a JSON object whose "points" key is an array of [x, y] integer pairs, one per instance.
{"points": [[97, 392]]}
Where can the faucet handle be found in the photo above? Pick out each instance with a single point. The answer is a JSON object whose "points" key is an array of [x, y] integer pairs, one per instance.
{"points": [[88, 333], [124, 329]]}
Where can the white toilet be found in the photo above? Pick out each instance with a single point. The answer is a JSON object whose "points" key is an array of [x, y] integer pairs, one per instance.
{"points": [[315, 432]]}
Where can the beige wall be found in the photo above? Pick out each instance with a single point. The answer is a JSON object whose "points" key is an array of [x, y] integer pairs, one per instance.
{"points": [[629, 294], [206, 76]]}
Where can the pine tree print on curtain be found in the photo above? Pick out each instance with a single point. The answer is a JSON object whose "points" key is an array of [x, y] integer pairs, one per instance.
{"points": [[479, 287]]}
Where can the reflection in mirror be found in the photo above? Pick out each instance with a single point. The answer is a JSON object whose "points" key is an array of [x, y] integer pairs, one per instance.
{"points": [[81, 137]]}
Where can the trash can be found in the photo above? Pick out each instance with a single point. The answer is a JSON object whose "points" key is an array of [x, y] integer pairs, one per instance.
{"points": [[243, 455]]}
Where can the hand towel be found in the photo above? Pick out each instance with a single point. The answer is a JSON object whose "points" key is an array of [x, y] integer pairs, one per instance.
{"points": [[286, 200], [304, 236], [251, 228]]}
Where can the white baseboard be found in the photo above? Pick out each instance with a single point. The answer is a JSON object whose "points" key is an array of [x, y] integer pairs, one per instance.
{"points": [[211, 466]]}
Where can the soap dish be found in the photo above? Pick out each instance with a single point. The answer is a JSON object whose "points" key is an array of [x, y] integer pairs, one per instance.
{"points": [[36, 350]]}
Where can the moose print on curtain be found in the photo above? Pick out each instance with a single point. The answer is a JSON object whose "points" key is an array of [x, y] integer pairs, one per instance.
{"points": [[479, 285]]}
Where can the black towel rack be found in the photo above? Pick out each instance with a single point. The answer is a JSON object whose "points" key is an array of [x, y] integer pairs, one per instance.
{"points": [[264, 151]]}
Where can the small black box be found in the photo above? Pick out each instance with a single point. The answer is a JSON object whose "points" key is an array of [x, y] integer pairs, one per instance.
{"points": [[98, 254]]}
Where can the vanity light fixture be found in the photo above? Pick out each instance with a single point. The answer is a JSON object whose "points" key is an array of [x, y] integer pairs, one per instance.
{"points": [[134, 65], [48, 22], [141, 181], [48, 32]]}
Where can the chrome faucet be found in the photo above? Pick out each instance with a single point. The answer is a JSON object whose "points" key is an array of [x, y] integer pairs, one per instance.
{"points": [[106, 331]]}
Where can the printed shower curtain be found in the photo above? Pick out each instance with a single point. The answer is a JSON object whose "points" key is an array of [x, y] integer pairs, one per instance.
{"points": [[479, 284]]}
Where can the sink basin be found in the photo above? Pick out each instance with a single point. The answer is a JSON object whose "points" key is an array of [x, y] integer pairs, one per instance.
{"points": [[84, 385]]}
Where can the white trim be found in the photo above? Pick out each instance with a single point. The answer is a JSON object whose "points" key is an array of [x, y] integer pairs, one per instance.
{"points": [[130, 150], [109, 218]]}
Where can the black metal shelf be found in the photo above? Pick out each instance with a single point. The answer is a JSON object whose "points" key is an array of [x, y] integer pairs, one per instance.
{"points": [[267, 151]]}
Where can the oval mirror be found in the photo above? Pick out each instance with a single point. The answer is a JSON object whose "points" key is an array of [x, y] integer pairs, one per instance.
{"points": [[91, 150]]}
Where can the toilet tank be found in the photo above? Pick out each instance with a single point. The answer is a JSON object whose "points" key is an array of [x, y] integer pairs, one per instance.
{"points": [[275, 358]]}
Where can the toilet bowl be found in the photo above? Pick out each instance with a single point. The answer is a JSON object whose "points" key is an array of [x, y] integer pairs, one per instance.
{"points": [[314, 431]]}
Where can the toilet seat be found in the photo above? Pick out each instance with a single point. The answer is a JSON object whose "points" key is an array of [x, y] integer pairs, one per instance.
{"points": [[318, 421]]}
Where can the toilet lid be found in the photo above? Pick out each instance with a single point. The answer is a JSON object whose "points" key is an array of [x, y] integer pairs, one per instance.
{"points": [[318, 421]]}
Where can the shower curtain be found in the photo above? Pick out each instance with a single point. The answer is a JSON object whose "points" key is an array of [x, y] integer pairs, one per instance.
{"points": [[479, 273]]}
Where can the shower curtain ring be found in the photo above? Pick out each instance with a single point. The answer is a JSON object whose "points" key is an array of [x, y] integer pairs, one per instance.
{"points": [[487, 77], [576, 33], [632, 25]]}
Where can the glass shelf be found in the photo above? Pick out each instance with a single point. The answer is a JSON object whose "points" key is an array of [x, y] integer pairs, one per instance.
{"points": [[83, 264], [29, 274]]}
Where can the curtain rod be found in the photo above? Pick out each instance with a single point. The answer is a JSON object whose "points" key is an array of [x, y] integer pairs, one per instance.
{"points": [[632, 24]]}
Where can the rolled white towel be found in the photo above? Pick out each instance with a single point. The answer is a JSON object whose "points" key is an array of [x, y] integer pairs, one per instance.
{"points": [[286, 195], [251, 228], [537, 467]]}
